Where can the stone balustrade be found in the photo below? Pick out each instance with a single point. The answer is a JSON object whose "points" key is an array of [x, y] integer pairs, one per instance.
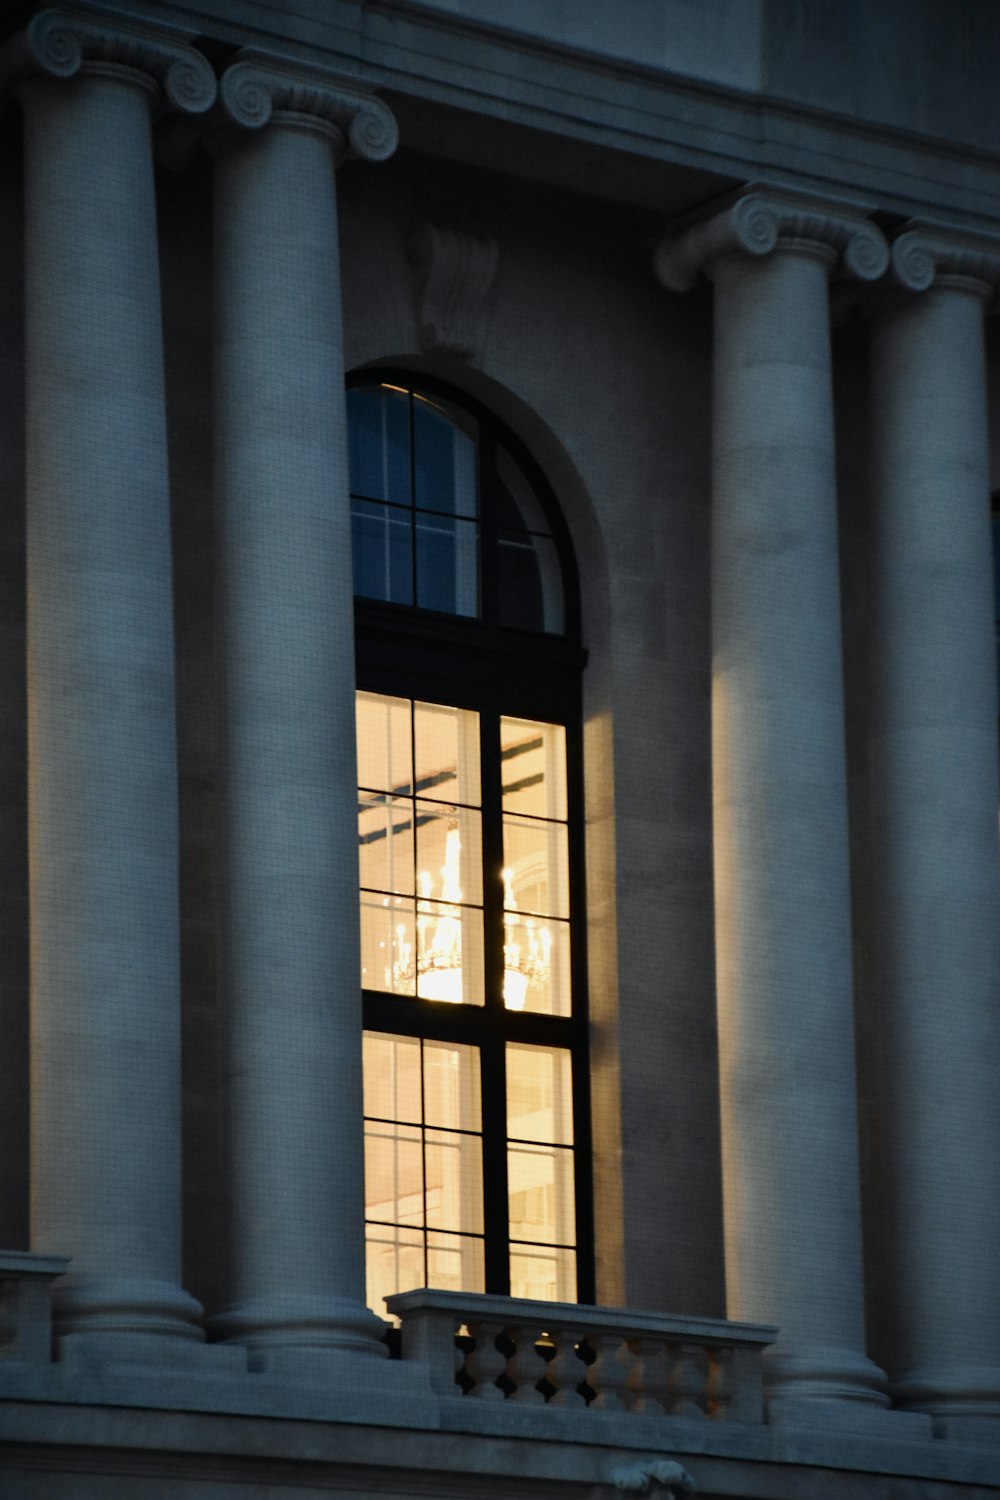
{"points": [[599, 1359], [26, 1305]]}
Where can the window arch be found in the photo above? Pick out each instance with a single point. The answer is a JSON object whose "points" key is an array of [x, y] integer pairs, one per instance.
{"points": [[478, 1170]]}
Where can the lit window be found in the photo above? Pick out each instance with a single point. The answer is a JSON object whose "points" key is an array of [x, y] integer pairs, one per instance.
{"points": [[477, 1162], [463, 961]]}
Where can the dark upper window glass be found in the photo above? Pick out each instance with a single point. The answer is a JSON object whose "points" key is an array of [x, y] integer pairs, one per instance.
{"points": [[446, 516]]}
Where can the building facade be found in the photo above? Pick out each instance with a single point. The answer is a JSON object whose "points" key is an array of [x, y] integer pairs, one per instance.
{"points": [[539, 459]]}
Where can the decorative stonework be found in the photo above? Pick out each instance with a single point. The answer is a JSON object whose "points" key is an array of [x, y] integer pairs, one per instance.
{"points": [[926, 253], [757, 222], [649, 1474], [254, 87], [60, 42], [454, 273]]}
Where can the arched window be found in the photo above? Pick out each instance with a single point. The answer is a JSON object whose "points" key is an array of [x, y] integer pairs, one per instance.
{"points": [[478, 1173]]}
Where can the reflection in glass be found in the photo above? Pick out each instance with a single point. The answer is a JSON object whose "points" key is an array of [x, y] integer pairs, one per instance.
{"points": [[379, 443], [391, 1073], [536, 866], [385, 747], [449, 852], [444, 471], [529, 583], [536, 964], [394, 1262], [388, 942], [394, 1173], [446, 750], [423, 1164], [540, 1194], [382, 551], [453, 1164], [385, 843], [539, 1094], [447, 564], [455, 1262], [448, 962], [544, 1272], [451, 1085], [533, 759]]}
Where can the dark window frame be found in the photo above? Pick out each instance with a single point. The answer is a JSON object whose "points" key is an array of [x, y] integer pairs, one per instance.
{"points": [[408, 651]]}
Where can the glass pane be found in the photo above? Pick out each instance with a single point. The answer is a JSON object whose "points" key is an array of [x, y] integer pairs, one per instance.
{"points": [[536, 964], [451, 1086], [546, 1273], [449, 852], [394, 1262], [539, 1094], [382, 551], [529, 583], [394, 1173], [518, 506], [388, 944], [391, 1071], [540, 1194], [533, 760], [455, 1262], [385, 749], [444, 444], [379, 440], [453, 1165], [536, 867], [450, 953], [446, 745], [385, 843], [447, 564]]}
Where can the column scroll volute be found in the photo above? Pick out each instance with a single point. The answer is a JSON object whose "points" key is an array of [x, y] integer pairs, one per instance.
{"points": [[756, 221], [924, 255], [58, 43], [254, 88]]}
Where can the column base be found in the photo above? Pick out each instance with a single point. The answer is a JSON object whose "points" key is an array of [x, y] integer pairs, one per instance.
{"points": [[305, 1336], [962, 1402], [809, 1385], [111, 1323]]}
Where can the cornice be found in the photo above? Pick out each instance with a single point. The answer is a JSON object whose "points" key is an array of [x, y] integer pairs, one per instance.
{"points": [[60, 41], [924, 254], [255, 86], [761, 220]]}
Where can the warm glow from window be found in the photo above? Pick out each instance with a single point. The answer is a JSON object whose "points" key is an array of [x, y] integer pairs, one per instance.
{"points": [[423, 805]]}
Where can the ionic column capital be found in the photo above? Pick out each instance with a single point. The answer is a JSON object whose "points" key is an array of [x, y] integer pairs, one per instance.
{"points": [[925, 255], [256, 86], [58, 43], [760, 220]]}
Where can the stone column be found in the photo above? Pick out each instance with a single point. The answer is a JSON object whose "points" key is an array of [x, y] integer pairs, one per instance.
{"points": [[934, 804], [783, 936], [291, 963], [105, 1044]]}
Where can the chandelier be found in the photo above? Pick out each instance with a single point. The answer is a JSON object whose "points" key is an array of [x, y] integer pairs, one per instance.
{"points": [[435, 970]]}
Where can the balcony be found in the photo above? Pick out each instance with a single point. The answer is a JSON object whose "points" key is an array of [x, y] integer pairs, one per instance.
{"points": [[502, 1352]]}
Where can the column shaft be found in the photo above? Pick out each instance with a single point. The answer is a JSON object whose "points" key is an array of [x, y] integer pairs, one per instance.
{"points": [[103, 810], [783, 937], [291, 945], [934, 822]]}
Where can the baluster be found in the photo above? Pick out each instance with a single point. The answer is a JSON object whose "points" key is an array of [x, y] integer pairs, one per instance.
{"points": [[688, 1380], [484, 1364], [719, 1388], [608, 1375], [525, 1367], [647, 1380], [566, 1370]]}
